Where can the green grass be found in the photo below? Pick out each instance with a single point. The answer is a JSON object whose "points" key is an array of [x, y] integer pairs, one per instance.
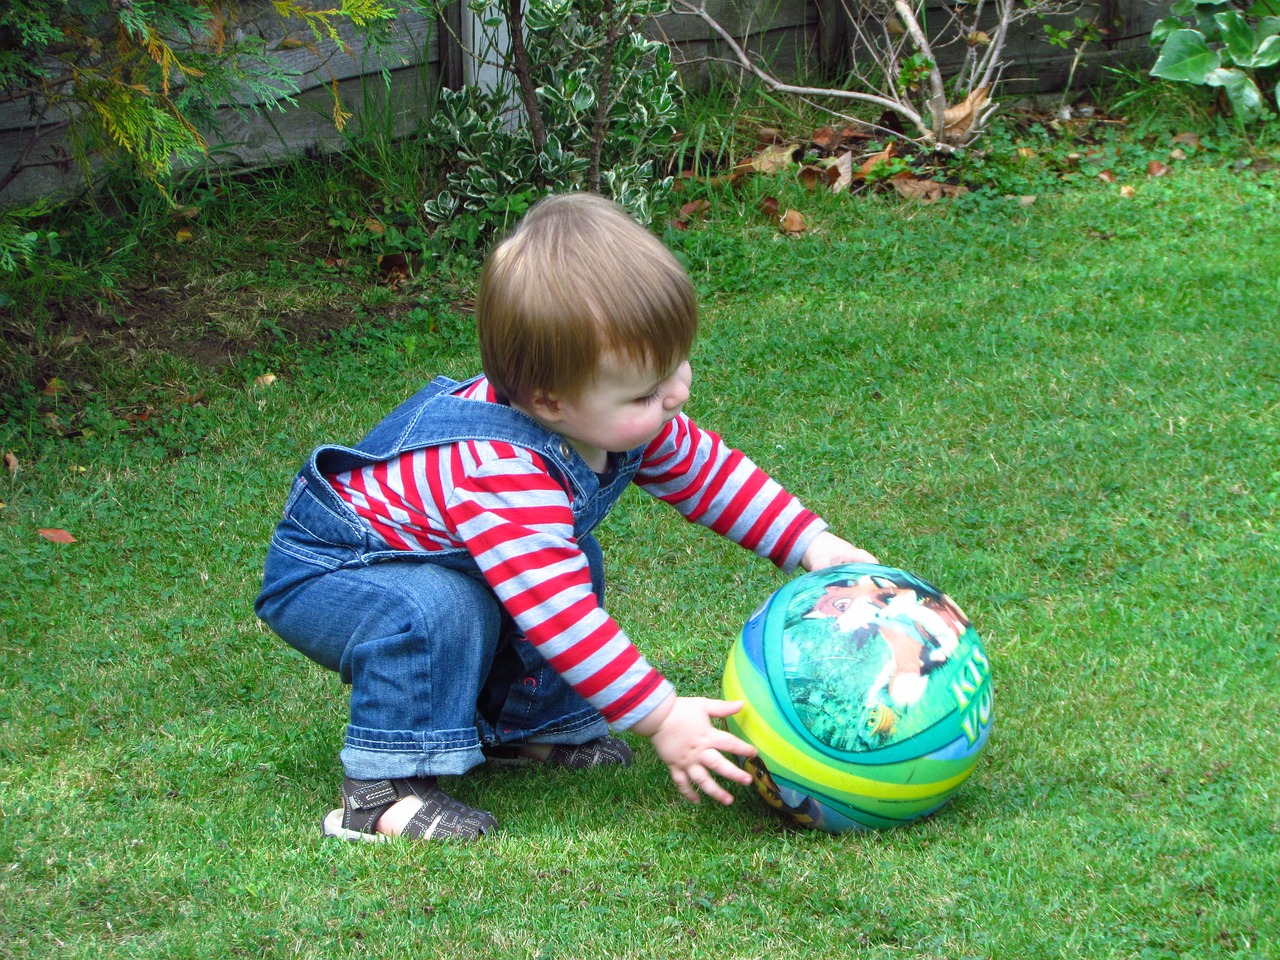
{"points": [[1066, 415]]}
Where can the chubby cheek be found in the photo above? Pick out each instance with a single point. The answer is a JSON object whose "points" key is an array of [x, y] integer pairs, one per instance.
{"points": [[641, 427]]}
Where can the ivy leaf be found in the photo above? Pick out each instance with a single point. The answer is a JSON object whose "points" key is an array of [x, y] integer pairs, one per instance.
{"points": [[1185, 56], [1246, 98], [1268, 53], [1237, 36], [1163, 28]]}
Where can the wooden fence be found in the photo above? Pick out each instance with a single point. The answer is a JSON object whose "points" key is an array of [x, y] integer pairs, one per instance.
{"points": [[392, 85]]}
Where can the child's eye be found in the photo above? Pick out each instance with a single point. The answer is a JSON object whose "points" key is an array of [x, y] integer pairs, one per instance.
{"points": [[648, 399]]}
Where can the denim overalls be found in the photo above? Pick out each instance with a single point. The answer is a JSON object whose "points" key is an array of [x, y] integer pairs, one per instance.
{"points": [[436, 665]]}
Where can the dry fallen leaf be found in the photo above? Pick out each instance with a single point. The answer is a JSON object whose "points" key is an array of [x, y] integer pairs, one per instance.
{"points": [[375, 226], [1187, 140], [184, 236], [772, 159], [55, 387], [11, 463], [1025, 153], [1177, 153], [926, 191], [185, 213], [825, 139], [57, 535], [769, 206], [815, 175], [843, 165], [888, 153], [1106, 176], [793, 223], [694, 208], [264, 380], [1156, 169], [1128, 192], [959, 119], [394, 268]]}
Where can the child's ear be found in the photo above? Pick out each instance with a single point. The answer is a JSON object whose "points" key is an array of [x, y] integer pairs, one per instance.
{"points": [[545, 406]]}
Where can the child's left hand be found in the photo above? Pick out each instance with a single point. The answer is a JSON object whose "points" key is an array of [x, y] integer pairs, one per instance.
{"points": [[828, 550]]}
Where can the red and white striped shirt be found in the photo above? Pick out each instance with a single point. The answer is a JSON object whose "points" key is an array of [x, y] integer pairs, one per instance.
{"points": [[504, 506]]}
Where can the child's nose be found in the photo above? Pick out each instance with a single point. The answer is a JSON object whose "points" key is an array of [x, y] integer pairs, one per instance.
{"points": [[678, 389]]}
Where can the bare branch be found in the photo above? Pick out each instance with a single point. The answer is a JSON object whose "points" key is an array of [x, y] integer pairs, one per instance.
{"points": [[897, 106]]}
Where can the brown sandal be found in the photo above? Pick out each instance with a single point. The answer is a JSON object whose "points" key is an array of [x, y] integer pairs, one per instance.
{"points": [[601, 752], [439, 817]]}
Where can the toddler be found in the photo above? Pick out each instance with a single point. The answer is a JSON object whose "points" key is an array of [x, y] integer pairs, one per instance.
{"points": [[445, 566]]}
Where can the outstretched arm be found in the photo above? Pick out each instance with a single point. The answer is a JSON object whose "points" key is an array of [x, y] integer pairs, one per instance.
{"points": [[686, 738], [828, 550]]}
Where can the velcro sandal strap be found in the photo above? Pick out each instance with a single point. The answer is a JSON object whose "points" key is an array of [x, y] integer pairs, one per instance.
{"points": [[369, 794], [442, 817]]}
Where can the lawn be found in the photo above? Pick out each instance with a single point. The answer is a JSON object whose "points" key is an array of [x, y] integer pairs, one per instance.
{"points": [[1065, 413]]}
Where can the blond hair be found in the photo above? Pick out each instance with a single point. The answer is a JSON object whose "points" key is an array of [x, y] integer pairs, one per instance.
{"points": [[579, 278]]}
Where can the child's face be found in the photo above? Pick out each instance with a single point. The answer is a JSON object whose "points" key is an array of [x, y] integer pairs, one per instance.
{"points": [[624, 407]]}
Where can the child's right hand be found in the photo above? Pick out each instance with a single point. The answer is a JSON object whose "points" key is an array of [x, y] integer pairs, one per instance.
{"points": [[689, 743]]}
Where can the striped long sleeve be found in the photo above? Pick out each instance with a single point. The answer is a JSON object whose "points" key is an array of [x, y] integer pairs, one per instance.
{"points": [[502, 504], [715, 485]]}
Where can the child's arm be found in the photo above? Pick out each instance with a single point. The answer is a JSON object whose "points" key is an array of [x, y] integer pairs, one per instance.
{"points": [[683, 733], [713, 484], [828, 550]]}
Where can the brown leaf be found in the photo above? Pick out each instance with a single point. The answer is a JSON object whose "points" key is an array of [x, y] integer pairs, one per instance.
{"points": [[773, 159], [184, 236], [888, 153], [851, 132], [55, 387], [843, 165], [694, 207], [767, 135], [11, 463], [792, 223], [1187, 140], [1177, 153], [57, 535], [185, 213], [825, 139], [769, 206], [958, 120], [926, 191], [264, 380], [1128, 192], [815, 175], [394, 268], [375, 226], [1106, 176], [1156, 169]]}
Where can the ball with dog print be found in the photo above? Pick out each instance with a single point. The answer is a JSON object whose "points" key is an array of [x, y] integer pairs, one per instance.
{"points": [[867, 693]]}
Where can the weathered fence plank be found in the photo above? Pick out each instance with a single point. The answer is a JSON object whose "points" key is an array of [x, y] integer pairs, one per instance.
{"points": [[391, 85]]}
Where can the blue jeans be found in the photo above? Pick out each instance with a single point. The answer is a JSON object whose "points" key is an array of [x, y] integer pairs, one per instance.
{"points": [[436, 665]]}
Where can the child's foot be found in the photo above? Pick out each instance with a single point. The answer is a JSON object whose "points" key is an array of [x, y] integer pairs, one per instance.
{"points": [[601, 752], [417, 808]]}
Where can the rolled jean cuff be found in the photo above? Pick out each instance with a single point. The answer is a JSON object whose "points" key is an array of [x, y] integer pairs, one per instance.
{"points": [[396, 754], [582, 728]]}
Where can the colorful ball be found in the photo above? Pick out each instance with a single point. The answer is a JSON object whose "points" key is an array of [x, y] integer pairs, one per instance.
{"points": [[867, 694]]}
